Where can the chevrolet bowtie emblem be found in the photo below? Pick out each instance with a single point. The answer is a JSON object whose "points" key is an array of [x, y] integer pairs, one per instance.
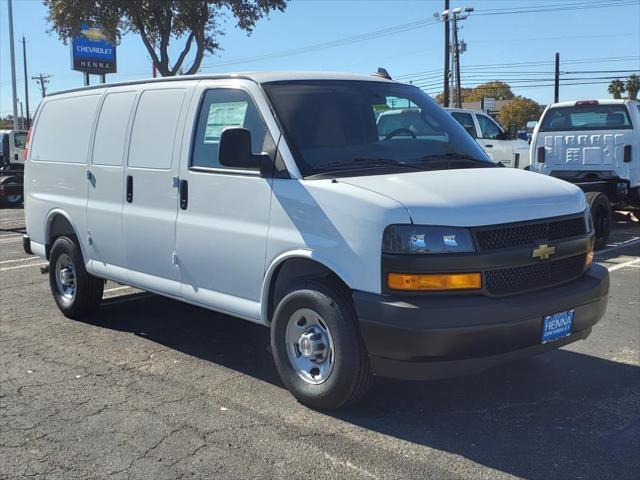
{"points": [[543, 252]]}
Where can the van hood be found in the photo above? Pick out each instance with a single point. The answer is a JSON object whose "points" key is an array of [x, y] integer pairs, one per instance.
{"points": [[476, 197]]}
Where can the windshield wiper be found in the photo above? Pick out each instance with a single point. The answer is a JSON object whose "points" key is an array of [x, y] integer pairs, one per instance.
{"points": [[457, 156], [362, 163], [372, 162]]}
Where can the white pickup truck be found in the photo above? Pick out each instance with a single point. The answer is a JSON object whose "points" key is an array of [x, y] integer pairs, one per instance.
{"points": [[594, 144], [511, 152]]}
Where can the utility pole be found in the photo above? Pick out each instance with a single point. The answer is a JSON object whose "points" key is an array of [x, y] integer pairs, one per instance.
{"points": [[26, 84], [456, 53], [13, 67], [42, 80], [556, 90], [447, 44], [453, 15]]}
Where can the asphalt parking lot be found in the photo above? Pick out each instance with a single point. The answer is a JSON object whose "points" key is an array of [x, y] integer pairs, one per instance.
{"points": [[153, 388]]}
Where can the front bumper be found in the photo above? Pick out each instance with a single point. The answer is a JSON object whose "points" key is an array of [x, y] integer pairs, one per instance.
{"points": [[435, 336]]}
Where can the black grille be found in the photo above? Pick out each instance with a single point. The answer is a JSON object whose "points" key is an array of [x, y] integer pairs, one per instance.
{"points": [[525, 234], [506, 281]]}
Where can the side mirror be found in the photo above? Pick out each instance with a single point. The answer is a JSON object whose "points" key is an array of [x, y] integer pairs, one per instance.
{"points": [[235, 151], [502, 136], [470, 130]]}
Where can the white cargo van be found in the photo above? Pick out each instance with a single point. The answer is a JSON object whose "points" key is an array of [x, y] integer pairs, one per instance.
{"points": [[594, 144], [273, 197]]}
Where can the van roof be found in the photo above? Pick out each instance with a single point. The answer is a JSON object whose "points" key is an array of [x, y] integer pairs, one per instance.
{"points": [[605, 101], [258, 77]]}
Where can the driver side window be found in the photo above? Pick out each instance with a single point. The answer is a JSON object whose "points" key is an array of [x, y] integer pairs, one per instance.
{"points": [[488, 127], [225, 108]]}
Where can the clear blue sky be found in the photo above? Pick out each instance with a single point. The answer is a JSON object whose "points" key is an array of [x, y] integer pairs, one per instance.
{"points": [[587, 39]]}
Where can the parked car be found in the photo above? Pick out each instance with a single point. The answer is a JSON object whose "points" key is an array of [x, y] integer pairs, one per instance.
{"points": [[594, 144], [276, 198], [12, 143], [511, 152]]}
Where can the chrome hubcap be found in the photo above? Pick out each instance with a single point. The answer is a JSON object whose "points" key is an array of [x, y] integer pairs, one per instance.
{"points": [[310, 346], [65, 278]]}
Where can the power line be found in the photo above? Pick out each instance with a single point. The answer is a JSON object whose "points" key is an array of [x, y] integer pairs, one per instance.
{"points": [[551, 84], [415, 25], [558, 7], [523, 82], [488, 77], [494, 66], [331, 44]]}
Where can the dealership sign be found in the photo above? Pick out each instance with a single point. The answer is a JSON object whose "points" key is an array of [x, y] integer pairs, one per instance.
{"points": [[92, 53]]}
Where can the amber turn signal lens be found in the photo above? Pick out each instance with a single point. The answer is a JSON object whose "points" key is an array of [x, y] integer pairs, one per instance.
{"points": [[590, 253], [434, 282]]}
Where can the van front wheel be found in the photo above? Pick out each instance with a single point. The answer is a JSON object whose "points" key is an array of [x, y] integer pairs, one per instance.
{"points": [[318, 349], [76, 292]]}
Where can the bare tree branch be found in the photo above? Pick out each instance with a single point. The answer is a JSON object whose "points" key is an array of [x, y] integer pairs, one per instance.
{"points": [[183, 54]]}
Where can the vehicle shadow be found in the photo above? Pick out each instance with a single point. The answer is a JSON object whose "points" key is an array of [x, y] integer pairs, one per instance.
{"points": [[560, 415]]}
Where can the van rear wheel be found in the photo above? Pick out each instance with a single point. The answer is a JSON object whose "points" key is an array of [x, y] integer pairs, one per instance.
{"points": [[318, 349], [601, 216], [76, 292]]}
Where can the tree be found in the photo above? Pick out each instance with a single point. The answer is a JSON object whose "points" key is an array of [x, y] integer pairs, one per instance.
{"points": [[633, 85], [518, 112], [616, 88], [160, 21], [494, 89]]}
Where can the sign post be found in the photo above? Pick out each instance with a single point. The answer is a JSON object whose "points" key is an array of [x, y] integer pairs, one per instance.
{"points": [[92, 53]]}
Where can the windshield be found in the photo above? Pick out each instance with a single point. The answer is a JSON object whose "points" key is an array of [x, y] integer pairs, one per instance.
{"points": [[358, 125], [586, 117]]}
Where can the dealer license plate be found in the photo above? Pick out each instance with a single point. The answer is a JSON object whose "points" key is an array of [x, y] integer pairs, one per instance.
{"points": [[557, 326]]}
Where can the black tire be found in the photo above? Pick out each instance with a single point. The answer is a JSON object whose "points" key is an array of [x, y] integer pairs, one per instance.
{"points": [[87, 288], [351, 376], [12, 200], [601, 216]]}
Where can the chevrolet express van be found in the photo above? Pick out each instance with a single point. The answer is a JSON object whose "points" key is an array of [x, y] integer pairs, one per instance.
{"points": [[273, 197]]}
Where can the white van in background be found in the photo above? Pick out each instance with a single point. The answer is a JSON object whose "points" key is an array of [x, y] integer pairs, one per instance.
{"points": [[511, 152], [594, 144], [278, 198]]}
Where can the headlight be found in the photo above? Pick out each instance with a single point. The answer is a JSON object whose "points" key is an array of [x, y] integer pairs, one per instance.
{"points": [[411, 239]]}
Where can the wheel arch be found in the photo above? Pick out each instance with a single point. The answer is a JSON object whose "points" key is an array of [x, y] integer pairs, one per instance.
{"points": [[290, 267], [57, 224]]}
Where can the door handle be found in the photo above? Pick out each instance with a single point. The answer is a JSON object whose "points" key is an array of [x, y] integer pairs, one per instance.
{"points": [[129, 188], [488, 146], [184, 194]]}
